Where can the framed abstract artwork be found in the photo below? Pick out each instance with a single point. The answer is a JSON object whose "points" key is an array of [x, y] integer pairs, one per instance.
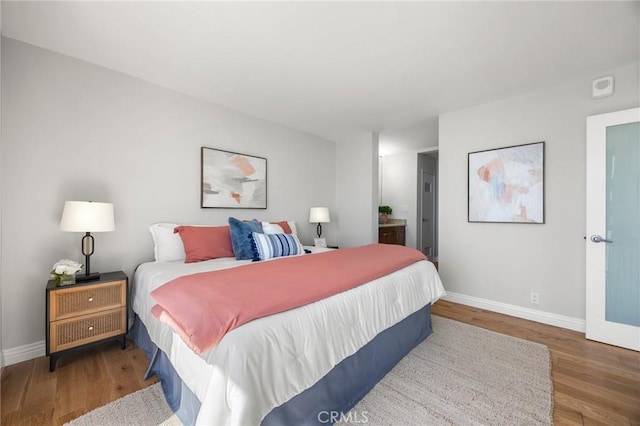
{"points": [[232, 180], [506, 185]]}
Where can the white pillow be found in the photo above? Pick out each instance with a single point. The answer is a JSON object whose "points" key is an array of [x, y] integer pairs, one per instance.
{"points": [[167, 245], [292, 225], [273, 228]]}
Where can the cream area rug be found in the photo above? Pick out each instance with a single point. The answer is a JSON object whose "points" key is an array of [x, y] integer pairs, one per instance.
{"points": [[146, 407], [461, 375]]}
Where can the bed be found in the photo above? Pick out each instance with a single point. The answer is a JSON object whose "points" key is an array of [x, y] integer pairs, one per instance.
{"points": [[292, 367]]}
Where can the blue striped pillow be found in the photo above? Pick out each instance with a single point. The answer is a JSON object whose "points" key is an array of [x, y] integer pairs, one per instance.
{"points": [[267, 246]]}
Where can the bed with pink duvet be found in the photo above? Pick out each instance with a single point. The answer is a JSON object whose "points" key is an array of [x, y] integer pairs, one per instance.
{"points": [[283, 341]]}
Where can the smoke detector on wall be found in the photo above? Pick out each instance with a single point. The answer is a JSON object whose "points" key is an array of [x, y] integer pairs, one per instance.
{"points": [[602, 87]]}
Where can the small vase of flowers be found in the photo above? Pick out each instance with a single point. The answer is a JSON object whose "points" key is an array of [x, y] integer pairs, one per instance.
{"points": [[64, 272]]}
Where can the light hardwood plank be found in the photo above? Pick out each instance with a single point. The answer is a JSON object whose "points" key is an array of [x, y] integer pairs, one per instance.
{"points": [[564, 416], [14, 388]]}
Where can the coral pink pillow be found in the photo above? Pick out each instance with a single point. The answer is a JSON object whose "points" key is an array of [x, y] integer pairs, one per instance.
{"points": [[205, 242]]}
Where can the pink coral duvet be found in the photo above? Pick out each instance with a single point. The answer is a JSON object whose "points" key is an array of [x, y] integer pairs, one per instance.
{"points": [[203, 307]]}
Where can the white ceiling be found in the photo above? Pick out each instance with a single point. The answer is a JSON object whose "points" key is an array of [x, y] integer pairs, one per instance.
{"points": [[340, 70]]}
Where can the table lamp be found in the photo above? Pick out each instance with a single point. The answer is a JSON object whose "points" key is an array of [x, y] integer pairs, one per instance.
{"points": [[319, 215], [88, 217]]}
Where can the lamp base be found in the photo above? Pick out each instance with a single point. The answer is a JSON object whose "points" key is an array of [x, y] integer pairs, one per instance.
{"points": [[91, 277]]}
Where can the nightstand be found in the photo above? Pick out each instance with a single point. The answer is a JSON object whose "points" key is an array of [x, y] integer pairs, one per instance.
{"points": [[86, 313]]}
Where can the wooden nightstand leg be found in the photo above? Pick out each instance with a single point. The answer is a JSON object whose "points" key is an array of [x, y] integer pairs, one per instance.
{"points": [[52, 363], [123, 345]]}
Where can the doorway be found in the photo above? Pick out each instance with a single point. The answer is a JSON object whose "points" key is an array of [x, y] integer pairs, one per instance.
{"points": [[613, 230], [427, 203]]}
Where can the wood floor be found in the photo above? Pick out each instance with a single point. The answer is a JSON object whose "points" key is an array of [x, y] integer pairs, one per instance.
{"points": [[31, 395], [594, 384]]}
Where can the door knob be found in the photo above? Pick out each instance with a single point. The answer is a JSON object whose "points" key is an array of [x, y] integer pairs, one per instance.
{"points": [[599, 239]]}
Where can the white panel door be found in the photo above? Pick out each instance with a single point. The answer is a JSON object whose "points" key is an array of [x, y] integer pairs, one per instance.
{"points": [[613, 228]]}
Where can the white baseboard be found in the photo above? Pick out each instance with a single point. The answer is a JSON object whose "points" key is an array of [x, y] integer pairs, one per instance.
{"points": [[23, 353], [570, 323]]}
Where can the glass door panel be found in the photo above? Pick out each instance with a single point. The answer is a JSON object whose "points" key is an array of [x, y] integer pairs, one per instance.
{"points": [[622, 268]]}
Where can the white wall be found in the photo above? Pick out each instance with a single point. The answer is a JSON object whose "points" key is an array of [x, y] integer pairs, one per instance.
{"points": [[1, 352], [505, 262], [399, 189], [75, 131], [357, 191]]}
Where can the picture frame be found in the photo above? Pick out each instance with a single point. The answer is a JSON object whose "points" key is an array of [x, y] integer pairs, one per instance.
{"points": [[506, 185], [232, 180]]}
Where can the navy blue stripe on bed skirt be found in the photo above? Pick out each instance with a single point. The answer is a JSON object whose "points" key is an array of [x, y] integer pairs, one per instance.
{"points": [[349, 381], [337, 392], [181, 400]]}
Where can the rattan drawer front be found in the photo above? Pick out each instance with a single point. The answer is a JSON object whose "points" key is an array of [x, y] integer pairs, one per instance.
{"points": [[66, 303], [77, 331]]}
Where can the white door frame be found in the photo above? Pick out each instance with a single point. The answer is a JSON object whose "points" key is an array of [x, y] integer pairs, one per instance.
{"points": [[596, 325]]}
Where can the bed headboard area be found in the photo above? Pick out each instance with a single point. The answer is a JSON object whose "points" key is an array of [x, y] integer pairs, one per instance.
{"points": [[173, 242]]}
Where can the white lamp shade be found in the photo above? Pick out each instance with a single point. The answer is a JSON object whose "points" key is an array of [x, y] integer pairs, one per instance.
{"points": [[87, 216], [319, 215]]}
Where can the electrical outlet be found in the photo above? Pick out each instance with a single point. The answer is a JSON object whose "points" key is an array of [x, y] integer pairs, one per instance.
{"points": [[535, 298]]}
